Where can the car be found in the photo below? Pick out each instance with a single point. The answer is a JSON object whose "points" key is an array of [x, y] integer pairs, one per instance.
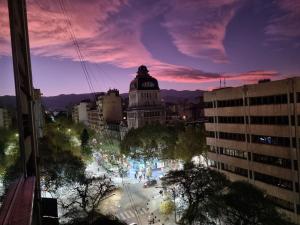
{"points": [[150, 183], [133, 224]]}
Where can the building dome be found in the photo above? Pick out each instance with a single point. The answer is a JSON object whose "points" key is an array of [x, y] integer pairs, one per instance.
{"points": [[143, 80]]}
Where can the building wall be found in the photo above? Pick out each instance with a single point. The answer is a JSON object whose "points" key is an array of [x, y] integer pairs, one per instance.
{"points": [[38, 113], [83, 112], [5, 118], [112, 107], [139, 98], [145, 107], [140, 117], [253, 134]]}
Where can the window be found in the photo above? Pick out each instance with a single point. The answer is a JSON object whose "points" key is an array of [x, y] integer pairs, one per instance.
{"points": [[279, 141], [275, 181], [269, 100], [212, 149], [298, 97], [282, 203], [208, 104], [235, 170], [230, 103], [233, 153], [270, 120], [231, 119], [270, 160], [212, 163], [232, 136], [211, 134]]}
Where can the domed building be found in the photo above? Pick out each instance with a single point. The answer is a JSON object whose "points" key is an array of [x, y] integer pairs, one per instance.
{"points": [[145, 106]]}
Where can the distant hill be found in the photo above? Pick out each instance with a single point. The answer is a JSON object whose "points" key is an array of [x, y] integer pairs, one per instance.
{"points": [[61, 102]]}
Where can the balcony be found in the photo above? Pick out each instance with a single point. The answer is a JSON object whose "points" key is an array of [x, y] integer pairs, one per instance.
{"points": [[21, 206]]}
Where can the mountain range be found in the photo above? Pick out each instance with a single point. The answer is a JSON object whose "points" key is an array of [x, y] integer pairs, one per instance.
{"points": [[61, 102]]}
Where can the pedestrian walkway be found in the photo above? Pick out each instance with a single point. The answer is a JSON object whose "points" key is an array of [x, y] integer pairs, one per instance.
{"points": [[128, 214]]}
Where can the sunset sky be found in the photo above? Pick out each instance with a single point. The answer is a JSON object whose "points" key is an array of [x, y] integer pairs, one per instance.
{"points": [[186, 44]]}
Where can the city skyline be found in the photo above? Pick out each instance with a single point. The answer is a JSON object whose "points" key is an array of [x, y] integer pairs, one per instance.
{"points": [[186, 45]]}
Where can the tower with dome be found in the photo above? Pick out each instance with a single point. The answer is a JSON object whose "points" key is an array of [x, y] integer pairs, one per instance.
{"points": [[145, 105]]}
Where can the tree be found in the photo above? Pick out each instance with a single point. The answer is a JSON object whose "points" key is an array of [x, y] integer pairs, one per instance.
{"points": [[84, 197], [150, 141], [84, 138], [190, 142], [200, 187], [248, 205], [167, 207]]}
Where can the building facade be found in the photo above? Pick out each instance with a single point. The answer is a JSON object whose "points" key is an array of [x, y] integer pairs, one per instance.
{"points": [[145, 105], [5, 118], [253, 134], [106, 112], [110, 107], [80, 112], [38, 113]]}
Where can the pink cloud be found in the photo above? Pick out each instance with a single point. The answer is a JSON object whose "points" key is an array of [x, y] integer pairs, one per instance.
{"points": [[108, 32], [190, 75], [198, 28]]}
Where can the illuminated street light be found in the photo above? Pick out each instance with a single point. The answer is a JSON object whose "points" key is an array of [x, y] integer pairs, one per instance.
{"points": [[16, 135], [69, 130]]}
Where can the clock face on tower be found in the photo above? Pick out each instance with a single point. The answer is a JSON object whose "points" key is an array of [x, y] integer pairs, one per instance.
{"points": [[148, 84]]}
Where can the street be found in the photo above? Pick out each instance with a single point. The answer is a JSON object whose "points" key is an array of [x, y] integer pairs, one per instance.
{"points": [[133, 203]]}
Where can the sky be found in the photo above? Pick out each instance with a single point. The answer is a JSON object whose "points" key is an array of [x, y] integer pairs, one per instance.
{"points": [[186, 44]]}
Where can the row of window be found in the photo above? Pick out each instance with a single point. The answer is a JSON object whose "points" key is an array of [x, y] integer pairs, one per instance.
{"points": [[261, 120], [279, 141], [275, 181], [233, 153], [268, 100], [259, 139], [230, 103], [275, 161], [265, 159], [234, 169], [232, 136], [151, 114], [271, 180], [261, 100]]}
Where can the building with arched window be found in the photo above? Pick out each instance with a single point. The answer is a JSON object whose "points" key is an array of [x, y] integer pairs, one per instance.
{"points": [[145, 105]]}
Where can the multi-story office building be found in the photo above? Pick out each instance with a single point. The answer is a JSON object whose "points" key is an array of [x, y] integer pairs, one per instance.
{"points": [[253, 134], [145, 105], [5, 118]]}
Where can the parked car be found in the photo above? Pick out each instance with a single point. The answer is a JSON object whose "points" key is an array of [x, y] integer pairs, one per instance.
{"points": [[150, 183]]}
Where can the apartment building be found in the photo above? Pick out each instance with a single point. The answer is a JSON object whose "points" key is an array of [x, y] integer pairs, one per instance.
{"points": [[106, 110], [253, 134], [80, 112], [5, 118]]}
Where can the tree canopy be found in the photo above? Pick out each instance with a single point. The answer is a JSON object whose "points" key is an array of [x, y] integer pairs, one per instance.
{"points": [[209, 198], [248, 205], [198, 186], [165, 142]]}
